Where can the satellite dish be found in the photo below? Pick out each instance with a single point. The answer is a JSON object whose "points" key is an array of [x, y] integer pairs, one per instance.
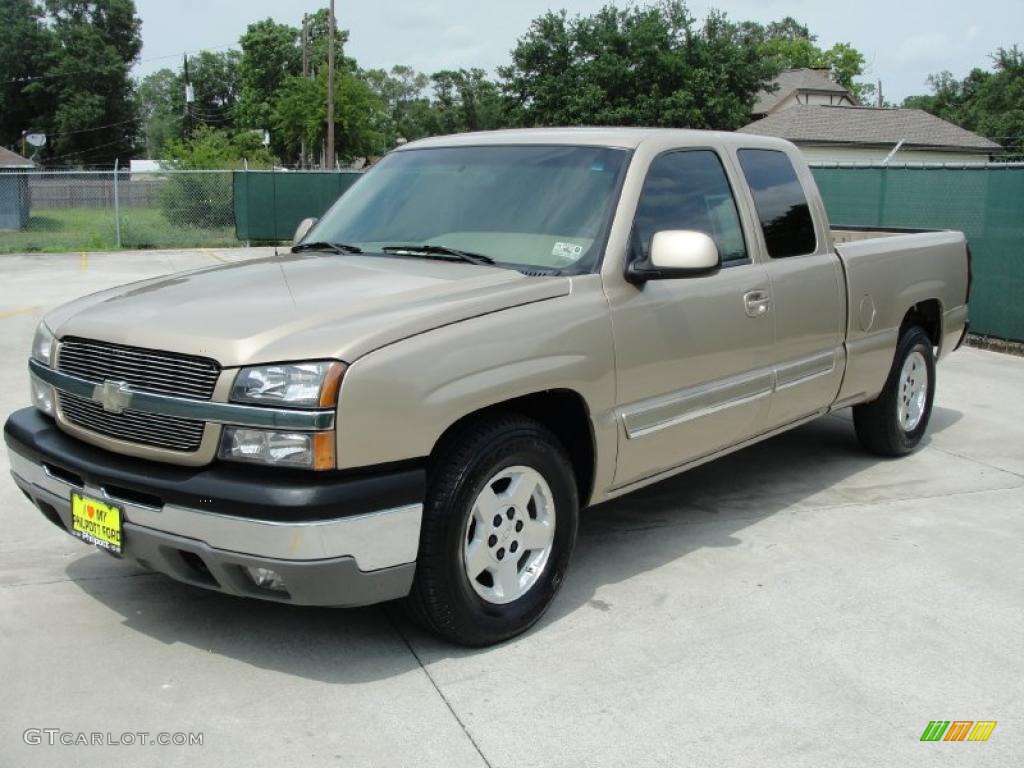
{"points": [[36, 139]]}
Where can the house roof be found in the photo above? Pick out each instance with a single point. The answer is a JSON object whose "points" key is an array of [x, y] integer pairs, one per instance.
{"points": [[790, 80], [868, 126], [9, 159]]}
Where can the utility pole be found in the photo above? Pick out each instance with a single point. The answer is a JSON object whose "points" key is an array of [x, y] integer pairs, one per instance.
{"points": [[305, 75], [187, 116], [881, 99], [329, 160]]}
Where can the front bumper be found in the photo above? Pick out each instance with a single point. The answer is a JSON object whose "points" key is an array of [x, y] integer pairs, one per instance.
{"points": [[337, 540]]}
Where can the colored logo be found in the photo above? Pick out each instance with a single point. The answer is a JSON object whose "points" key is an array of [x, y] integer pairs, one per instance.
{"points": [[958, 730]]}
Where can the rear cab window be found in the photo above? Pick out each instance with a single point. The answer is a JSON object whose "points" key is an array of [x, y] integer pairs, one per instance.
{"points": [[688, 189], [781, 203]]}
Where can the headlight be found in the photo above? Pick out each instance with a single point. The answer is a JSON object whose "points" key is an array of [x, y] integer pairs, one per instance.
{"points": [[42, 345], [42, 350], [295, 385], [299, 450]]}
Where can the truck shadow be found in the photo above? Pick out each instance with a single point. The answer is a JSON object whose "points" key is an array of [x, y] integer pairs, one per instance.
{"points": [[705, 507]]}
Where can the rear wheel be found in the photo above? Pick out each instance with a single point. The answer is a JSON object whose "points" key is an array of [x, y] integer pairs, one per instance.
{"points": [[894, 424], [498, 530]]}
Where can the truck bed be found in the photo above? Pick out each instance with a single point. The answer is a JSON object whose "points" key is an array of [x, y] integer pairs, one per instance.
{"points": [[887, 271]]}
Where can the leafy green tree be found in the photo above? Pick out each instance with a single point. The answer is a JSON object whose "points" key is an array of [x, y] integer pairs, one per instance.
{"points": [[159, 99], [270, 56], [647, 65], [402, 92], [319, 44], [26, 47], [990, 103], [213, 148], [465, 100], [301, 114], [94, 120], [216, 84]]}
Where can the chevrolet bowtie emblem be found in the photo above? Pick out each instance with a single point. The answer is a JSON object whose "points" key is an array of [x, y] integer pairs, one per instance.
{"points": [[114, 396]]}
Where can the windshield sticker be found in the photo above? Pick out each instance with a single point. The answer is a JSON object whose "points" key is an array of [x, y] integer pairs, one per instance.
{"points": [[568, 251]]}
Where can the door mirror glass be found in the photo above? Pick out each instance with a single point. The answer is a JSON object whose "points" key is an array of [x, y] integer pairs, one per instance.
{"points": [[677, 253], [302, 230]]}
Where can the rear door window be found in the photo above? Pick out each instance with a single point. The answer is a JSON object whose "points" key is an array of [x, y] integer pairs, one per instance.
{"points": [[780, 201]]}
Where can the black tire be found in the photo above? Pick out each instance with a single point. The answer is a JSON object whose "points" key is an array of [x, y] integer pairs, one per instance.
{"points": [[442, 599], [877, 423]]}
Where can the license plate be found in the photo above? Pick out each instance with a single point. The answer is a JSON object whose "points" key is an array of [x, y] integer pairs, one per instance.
{"points": [[96, 522]]}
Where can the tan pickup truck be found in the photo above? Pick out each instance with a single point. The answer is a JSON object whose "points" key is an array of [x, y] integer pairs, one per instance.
{"points": [[484, 335]]}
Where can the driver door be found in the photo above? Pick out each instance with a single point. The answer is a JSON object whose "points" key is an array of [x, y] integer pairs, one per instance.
{"points": [[693, 355]]}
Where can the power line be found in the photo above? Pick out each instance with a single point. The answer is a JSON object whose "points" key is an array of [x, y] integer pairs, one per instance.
{"points": [[86, 151], [97, 128]]}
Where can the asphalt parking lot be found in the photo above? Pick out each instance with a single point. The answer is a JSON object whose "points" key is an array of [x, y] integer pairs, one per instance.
{"points": [[796, 604]]}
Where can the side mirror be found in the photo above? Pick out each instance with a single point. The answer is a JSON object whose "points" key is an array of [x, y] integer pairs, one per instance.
{"points": [[302, 230], [676, 253]]}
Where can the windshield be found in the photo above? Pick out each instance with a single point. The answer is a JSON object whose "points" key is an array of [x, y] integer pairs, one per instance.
{"points": [[539, 207]]}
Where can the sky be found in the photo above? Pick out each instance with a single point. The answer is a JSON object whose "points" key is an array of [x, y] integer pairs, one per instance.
{"points": [[903, 41]]}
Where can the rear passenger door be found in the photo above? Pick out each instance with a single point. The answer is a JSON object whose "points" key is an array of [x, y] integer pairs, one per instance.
{"points": [[808, 294]]}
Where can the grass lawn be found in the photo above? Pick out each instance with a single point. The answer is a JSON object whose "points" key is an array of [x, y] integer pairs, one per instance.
{"points": [[78, 229]]}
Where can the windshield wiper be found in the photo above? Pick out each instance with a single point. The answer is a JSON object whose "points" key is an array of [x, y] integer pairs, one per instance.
{"points": [[440, 250], [323, 245]]}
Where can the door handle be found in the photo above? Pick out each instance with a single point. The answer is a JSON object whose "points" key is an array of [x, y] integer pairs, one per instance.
{"points": [[757, 303]]}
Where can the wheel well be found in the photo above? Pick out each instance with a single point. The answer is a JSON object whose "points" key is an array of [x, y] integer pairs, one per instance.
{"points": [[565, 413], [928, 315]]}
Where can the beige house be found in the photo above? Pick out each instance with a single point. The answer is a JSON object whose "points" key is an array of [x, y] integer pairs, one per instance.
{"points": [[824, 119], [802, 87]]}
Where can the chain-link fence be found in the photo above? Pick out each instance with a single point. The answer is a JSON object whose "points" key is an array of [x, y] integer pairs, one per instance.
{"points": [[52, 211]]}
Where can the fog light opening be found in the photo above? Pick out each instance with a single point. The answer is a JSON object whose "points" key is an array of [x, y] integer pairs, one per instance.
{"points": [[264, 578]]}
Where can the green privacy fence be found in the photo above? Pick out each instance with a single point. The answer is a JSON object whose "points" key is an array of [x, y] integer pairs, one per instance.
{"points": [[270, 204], [985, 202]]}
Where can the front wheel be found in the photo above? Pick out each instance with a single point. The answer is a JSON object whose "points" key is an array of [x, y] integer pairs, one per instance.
{"points": [[499, 527], [894, 423]]}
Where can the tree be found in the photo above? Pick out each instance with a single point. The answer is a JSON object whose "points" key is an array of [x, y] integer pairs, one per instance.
{"points": [[300, 114], [649, 65], [216, 84], [160, 99], [409, 114], [270, 55], [94, 120], [213, 148], [465, 100], [26, 46], [988, 102]]}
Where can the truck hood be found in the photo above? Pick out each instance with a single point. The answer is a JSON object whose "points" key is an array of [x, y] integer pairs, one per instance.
{"points": [[298, 306]]}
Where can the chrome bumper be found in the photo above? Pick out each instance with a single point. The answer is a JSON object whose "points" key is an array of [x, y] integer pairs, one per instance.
{"points": [[352, 560]]}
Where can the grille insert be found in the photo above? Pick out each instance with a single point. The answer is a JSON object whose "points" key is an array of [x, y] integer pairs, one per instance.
{"points": [[144, 370], [164, 373], [149, 429]]}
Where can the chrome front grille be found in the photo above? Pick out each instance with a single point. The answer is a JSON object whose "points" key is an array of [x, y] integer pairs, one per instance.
{"points": [[147, 370], [144, 370], [149, 429]]}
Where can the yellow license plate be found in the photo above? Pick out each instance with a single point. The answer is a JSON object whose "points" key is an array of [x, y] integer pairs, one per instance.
{"points": [[96, 522]]}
